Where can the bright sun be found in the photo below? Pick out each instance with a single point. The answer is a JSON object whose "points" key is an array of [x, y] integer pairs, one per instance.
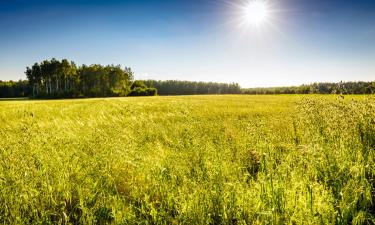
{"points": [[256, 12]]}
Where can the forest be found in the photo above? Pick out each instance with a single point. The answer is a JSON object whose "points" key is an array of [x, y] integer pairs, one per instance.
{"points": [[14, 89], [175, 87], [317, 88], [55, 79], [64, 79]]}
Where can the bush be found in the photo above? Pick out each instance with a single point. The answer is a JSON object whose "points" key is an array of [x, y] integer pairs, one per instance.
{"points": [[143, 91]]}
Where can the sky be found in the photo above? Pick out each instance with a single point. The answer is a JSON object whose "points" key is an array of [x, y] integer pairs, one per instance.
{"points": [[300, 41]]}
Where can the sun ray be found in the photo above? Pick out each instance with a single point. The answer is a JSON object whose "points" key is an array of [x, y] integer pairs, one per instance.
{"points": [[256, 12], [252, 16]]}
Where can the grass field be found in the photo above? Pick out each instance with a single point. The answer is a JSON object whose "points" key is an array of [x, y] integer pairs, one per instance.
{"points": [[188, 160]]}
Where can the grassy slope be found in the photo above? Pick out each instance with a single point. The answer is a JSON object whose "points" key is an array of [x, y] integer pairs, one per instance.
{"points": [[195, 160]]}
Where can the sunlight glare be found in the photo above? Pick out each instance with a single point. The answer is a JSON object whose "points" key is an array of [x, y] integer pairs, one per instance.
{"points": [[256, 12]]}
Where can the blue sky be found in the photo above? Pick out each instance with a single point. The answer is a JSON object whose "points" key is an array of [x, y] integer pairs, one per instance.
{"points": [[303, 41]]}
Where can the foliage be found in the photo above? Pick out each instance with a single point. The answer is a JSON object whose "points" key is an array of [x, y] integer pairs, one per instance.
{"points": [[188, 160], [138, 91], [318, 88], [111, 81], [138, 88], [59, 79], [13, 89], [174, 87]]}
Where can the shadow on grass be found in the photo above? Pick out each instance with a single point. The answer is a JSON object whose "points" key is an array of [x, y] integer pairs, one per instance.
{"points": [[13, 99]]}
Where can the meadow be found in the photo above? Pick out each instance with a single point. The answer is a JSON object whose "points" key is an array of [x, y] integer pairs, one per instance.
{"points": [[234, 159]]}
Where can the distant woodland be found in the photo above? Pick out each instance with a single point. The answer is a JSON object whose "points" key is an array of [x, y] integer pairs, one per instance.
{"points": [[174, 87], [14, 89], [53, 89], [317, 88], [60, 79], [64, 79]]}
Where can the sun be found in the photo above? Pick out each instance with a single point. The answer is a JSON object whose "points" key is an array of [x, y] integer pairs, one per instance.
{"points": [[256, 12]]}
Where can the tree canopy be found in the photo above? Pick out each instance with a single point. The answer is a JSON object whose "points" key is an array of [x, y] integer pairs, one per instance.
{"points": [[54, 78], [13, 89], [64, 79], [318, 88], [175, 87]]}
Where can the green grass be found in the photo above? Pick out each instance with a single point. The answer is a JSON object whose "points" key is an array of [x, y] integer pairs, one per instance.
{"points": [[188, 160]]}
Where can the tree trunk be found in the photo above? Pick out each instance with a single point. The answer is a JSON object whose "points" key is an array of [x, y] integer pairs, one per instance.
{"points": [[47, 87], [50, 85]]}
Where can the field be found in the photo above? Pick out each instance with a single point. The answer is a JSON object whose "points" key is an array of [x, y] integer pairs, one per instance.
{"points": [[188, 160]]}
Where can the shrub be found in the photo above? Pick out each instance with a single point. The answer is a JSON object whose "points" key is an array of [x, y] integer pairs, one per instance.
{"points": [[141, 91]]}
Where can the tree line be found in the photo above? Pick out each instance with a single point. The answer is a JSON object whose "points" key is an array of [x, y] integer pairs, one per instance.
{"points": [[175, 87], [14, 89], [317, 88], [59, 79], [64, 79]]}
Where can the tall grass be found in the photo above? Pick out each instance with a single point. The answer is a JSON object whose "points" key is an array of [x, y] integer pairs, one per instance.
{"points": [[188, 160]]}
